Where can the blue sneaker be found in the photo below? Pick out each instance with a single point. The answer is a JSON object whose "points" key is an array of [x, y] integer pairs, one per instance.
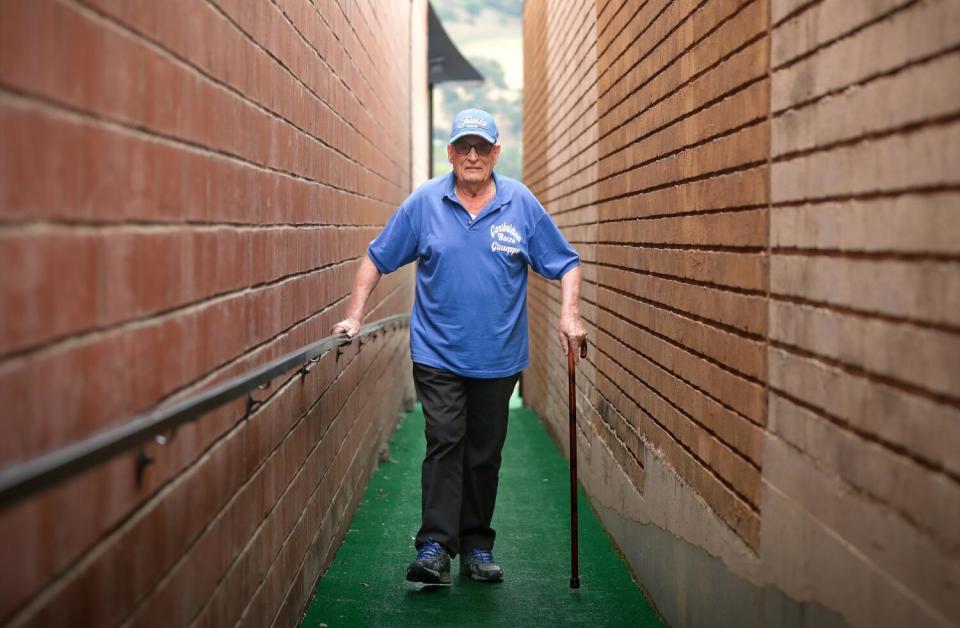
{"points": [[432, 565], [478, 564]]}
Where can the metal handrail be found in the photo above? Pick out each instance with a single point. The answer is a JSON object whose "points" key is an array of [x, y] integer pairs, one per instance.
{"points": [[22, 479]]}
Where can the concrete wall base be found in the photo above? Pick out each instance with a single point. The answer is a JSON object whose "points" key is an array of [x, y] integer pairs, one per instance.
{"points": [[692, 588]]}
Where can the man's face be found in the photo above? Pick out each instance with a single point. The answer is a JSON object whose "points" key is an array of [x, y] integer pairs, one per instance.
{"points": [[472, 167]]}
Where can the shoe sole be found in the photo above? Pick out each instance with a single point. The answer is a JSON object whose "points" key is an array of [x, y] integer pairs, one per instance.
{"points": [[428, 577], [476, 578]]}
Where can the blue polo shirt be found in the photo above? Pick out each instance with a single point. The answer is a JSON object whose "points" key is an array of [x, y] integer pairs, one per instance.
{"points": [[470, 311]]}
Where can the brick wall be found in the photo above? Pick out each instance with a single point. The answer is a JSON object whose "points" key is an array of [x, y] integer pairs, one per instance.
{"points": [[185, 191], [765, 193]]}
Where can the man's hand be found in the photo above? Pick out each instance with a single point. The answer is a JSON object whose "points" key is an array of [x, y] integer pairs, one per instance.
{"points": [[349, 326], [573, 336], [363, 284]]}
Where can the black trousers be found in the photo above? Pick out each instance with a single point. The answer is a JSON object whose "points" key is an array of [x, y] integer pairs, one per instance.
{"points": [[466, 429]]}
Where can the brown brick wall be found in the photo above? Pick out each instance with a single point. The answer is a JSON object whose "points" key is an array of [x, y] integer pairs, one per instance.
{"points": [[560, 152], [657, 172], [185, 191], [864, 311], [765, 197]]}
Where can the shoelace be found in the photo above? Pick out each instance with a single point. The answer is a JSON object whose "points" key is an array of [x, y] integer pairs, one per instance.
{"points": [[482, 555], [428, 551]]}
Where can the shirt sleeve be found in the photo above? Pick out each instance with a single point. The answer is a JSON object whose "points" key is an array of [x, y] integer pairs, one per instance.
{"points": [[397, 244], [550, 254]]}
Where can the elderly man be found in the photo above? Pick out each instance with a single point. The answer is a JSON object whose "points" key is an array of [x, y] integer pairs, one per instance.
{"points": [[473, 234]]}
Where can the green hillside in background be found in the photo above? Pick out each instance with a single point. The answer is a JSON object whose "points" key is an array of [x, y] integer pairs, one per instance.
{"points": [[489, 34]]}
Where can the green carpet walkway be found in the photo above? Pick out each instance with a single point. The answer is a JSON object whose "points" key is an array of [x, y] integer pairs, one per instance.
{"points": [[365, 585]]}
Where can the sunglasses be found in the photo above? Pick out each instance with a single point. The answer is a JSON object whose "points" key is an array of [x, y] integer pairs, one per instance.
{"points": [[463, 147]]}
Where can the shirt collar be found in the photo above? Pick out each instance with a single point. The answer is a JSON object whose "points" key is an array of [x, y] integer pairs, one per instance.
{"points": [[503, 193]]}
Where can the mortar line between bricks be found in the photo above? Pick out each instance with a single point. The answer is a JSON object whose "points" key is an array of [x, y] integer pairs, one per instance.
{"points": [[209, 377], [363, 48], [612, 18], [128, 31], [573, 38], [379, 64], [951, 328], [871, 255], [869, 195], [70, 340], [356, 63], [256, 44], [345, 521], [687, 214], [352, 498], [548, 168], [754, 425], [97, 547], [613, 431], [375, 64], [598, 329], [217, 370], [738, 169], [802, 7], [94, 227], [670, 153], [870, 437], [746, 292], [329, 549], [568, 98], [685, 348], [867, 495], [768, 229], [596, 162], [538, 174], [600, 6], [892, 71], [754, 508], [752, 512], [858, 28], [341, 485], [566, 29], [256, 531], [933, 122], [316, 52], [217, 516], [13, 96], [872, 376], [744, 251], [608, 64], [894, 582], [676, 59], [640, 32], [738, 89], [376, 16]]}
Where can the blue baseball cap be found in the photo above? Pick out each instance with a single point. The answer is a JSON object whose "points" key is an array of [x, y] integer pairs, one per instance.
{"points": [[474, 122]]}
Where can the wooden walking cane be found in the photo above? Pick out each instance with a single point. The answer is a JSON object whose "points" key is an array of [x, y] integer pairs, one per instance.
{"points": [[572, 379]]}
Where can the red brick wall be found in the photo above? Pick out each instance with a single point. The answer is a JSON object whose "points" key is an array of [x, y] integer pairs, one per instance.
{"points": [[764, 195], [185, 191]]}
